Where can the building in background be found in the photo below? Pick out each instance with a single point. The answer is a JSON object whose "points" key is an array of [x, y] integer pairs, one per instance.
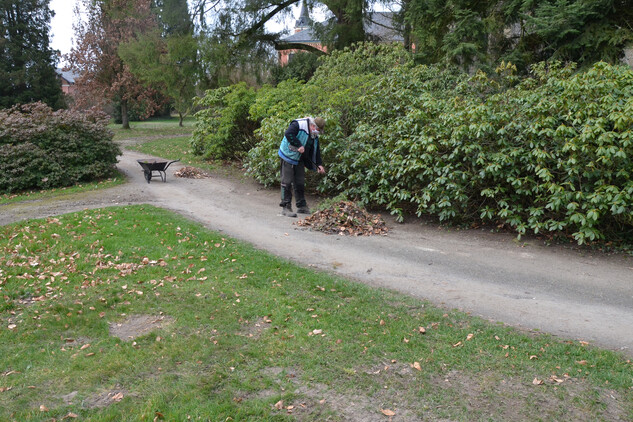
{"points": [[379, 27], [67, 80]]}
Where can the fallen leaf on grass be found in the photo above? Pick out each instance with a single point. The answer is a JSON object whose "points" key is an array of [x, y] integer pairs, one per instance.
{"points": [[421, 330], [3, 389], [537, 381], [43, 408], [279, 405], [70, 415], [416, 365], [6, 374], [388, 412]]}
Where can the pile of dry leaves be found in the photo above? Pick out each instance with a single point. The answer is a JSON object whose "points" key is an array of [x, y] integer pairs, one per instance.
{"points": [[345, 218], [191, 173]]}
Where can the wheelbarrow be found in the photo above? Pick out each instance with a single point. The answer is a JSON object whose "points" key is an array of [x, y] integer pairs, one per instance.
{"points": [[152, 166]]}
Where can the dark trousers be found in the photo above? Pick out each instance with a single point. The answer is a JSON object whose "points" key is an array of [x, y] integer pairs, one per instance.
{"points": [[293, 176]]}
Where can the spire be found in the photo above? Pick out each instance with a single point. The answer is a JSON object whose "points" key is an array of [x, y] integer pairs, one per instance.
{"points": [[304, 18]]}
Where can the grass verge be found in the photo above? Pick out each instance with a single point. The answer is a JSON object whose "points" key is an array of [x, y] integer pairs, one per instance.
{"points": [[61, 192], [134, 313]]}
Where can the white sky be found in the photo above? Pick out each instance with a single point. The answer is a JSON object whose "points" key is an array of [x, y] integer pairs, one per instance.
{"points": [[62, 25]]}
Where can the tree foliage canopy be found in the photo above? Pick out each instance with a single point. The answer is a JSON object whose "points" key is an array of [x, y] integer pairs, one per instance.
{"points": [[521, 31], [27, 63], [167, 57], [104, 76]]}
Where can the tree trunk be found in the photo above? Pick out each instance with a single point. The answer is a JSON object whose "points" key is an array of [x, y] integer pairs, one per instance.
{"points": [[181, 119], [125, 120]]}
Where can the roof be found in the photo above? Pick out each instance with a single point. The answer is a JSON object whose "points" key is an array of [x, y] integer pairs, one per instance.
{"points": [[305, 36], [379, 25], [67, 75]]}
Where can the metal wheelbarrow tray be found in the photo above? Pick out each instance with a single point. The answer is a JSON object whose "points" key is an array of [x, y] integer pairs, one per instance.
{"points": [[151, 166]]}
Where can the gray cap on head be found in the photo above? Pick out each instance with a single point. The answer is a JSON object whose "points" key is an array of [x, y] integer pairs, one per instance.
{"points": [[320, 122]]}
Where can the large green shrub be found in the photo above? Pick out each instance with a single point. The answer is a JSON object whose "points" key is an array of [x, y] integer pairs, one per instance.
{"points": [[551, 154], [41, 149], [546, 154], [224, 128]]}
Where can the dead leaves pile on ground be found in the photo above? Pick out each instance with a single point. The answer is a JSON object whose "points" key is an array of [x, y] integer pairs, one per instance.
{"points": [[191, 173], [346, 219]]}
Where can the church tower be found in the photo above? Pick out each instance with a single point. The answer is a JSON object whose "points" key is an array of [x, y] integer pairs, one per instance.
{"points": [[304, 20]]}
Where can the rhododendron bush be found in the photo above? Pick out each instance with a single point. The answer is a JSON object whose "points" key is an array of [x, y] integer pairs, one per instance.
{"points": [[41, 148]]}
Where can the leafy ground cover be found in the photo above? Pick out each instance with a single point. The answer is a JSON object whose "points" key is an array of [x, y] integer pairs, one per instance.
{"points": [[134, 313]]}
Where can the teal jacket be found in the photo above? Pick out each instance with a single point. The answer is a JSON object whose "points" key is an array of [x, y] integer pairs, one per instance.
{"points": [[296, 136]]}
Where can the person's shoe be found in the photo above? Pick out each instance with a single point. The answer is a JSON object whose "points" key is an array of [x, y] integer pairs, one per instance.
{"points": [[303, 210], [287, 211]]}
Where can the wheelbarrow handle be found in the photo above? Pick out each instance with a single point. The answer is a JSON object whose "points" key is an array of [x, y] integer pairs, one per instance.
{"points": [[169, 164]]}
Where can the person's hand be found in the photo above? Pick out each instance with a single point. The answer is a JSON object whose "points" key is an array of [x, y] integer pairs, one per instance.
{"points": [[301, 149], [321, 170]]}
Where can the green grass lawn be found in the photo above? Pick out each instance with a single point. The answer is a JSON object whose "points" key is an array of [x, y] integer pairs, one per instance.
{"points": [[155, 127], [136, 314]]}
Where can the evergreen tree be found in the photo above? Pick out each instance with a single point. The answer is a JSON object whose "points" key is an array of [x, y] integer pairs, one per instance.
{"points": [[27, 63], [174, 17]]}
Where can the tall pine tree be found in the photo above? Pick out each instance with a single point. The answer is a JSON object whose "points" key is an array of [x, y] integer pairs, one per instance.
{"points": [[27, 62]]}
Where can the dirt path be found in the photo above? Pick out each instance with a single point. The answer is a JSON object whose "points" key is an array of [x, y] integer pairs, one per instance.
{"points": [[578, 295]]}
